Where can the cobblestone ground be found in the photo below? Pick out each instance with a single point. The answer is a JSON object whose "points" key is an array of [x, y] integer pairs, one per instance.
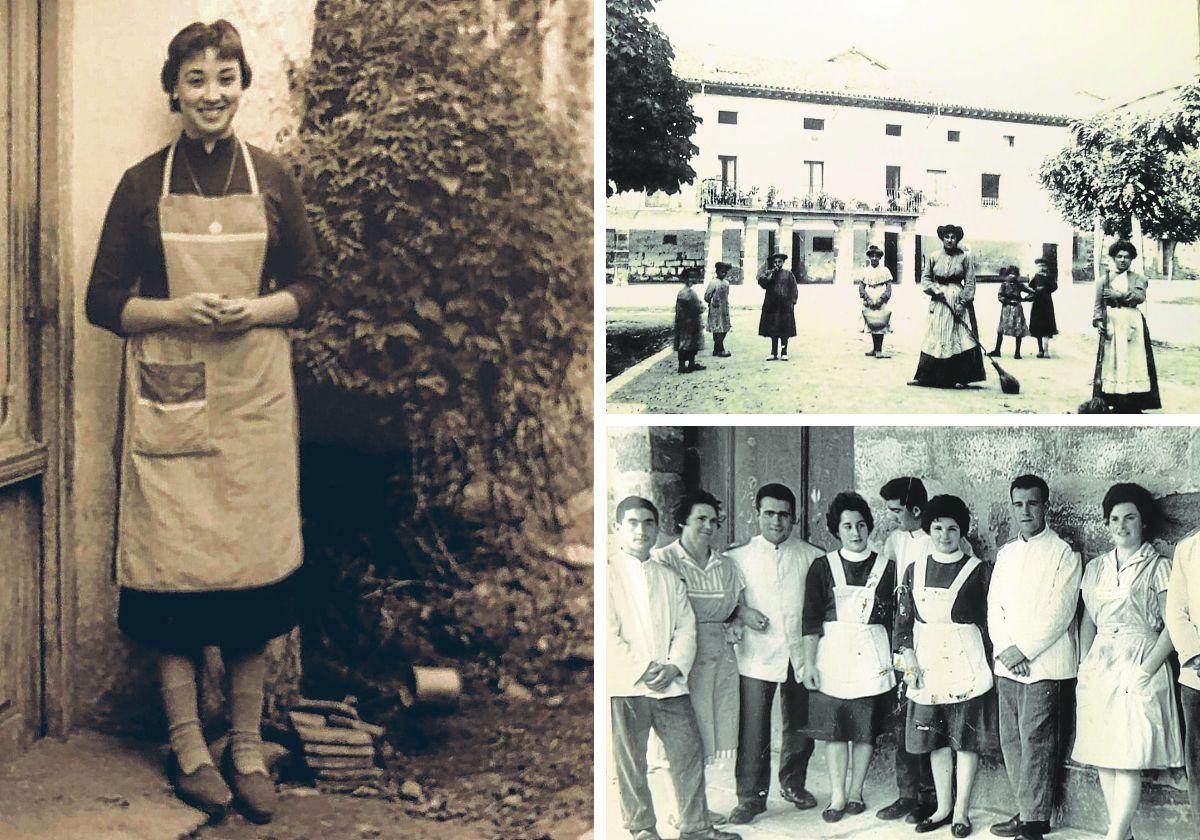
{"points": [[829, 373]]}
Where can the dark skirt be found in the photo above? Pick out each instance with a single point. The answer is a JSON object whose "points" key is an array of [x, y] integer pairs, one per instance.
{"points": [[959, 369], [1041, 318], [184, 622], [1142, 400], [834, 719], [972, 725]]}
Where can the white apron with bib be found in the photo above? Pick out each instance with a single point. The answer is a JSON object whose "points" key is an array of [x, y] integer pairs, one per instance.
{"points": [[1124, 368], [208, 473], [853, 657], [951, 656]]}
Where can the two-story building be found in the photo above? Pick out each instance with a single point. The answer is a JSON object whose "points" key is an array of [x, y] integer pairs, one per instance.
{"points": [[820, 160]]}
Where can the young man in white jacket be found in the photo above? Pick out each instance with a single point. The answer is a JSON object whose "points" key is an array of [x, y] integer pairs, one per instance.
{"points": [[1031, 618], [651, 635], [1183, 623]]}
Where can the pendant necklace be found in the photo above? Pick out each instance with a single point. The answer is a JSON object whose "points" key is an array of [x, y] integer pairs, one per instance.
{"points": [[215, 227]]}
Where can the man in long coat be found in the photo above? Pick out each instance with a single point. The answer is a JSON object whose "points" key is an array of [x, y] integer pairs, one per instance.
{"points": [[778, 319]]}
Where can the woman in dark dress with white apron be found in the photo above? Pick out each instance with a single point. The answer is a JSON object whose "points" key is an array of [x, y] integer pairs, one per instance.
{"points": [[205, 258]]}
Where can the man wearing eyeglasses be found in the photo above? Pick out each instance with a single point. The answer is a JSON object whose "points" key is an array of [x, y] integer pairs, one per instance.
{"points": [[770, 656]]}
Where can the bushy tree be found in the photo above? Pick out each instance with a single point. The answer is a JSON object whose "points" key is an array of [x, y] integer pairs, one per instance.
{"points": [[455, 218], [649, 117], [1121, 166]]}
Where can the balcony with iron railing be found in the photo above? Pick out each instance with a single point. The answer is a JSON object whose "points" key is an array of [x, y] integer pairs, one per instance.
{"points": [[989, 202], [715, 193]]}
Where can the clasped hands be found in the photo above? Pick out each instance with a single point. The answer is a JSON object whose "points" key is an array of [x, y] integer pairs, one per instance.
{"points": [[1015, 661], [222, 314], [658, 676]]}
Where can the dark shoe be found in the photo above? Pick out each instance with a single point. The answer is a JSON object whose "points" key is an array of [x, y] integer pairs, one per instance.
{"points": [[695, 366], [710, 833], [927, 825], [1041, 355], [1017, 356], [203, 789], [923, 810], [961, 829], [1009, 828], [799, 797], [745, 812], [995, 354], [855, 807], [832, 815], [902, 807], [869, 353], [254, 794]]}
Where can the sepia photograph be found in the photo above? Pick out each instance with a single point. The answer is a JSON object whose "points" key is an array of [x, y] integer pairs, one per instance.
{"points": [[881, 631], [296, 420], [967, 207]]}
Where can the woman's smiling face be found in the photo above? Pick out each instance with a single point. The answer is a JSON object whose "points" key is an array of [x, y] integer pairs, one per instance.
{"points": [[853, 531], [1125, 525], [208, 91], [945, 534]]}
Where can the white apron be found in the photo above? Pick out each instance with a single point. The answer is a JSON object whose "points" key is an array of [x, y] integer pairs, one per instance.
{"points": [[951, 656], [854, 658], [208, 471], [1124, 367]]}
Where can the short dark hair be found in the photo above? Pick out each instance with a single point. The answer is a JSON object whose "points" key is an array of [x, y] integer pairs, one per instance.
{"points": [[696, 497], [195, 38], [1029, 482], [1142, 499], [908, 490], [1122, 245], [635, 503], [843, 502], [946, 506], [775, 491]]}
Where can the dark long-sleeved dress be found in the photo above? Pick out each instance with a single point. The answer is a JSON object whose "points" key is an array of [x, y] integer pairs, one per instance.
{"points": [[972, 724], [949, 354], [129, 262], [859, 719], [689, 335], [778, 318], [1041, 311]]}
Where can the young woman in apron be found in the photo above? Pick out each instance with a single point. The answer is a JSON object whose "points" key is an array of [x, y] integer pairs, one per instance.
{"points": [[1127, 720], [1128, 378], [205, 258], [942, 640], [848, 655]]}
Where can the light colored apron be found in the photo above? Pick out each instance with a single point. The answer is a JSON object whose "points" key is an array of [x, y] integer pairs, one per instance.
{"points": [[854, 658], [952, 658], [1124, 369], [209, 495]]}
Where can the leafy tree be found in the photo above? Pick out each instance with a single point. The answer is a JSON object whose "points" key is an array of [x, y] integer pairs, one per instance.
{"points": [[650, 120], [1120, 167]]}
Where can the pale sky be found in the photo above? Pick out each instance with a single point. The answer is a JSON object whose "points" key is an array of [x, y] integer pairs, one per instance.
{"points": [[1008, 48]]}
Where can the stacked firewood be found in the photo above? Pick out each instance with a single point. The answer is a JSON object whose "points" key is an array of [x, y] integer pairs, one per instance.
{"points": [[339, 747]]}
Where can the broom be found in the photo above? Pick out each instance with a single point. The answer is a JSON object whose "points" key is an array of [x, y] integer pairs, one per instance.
{"points": [[1097, 405], [1009, 384]]}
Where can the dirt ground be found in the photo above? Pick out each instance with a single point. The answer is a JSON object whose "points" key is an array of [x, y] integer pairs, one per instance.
{"points": [[829, 373], [501, 768]]}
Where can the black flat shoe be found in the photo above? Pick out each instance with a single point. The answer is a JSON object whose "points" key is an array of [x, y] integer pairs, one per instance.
{"points": [[832, 815], [203, 789], [927, 825], [801, 798], [923, 810], [1009, 828], [855, 807], [961, 829]]}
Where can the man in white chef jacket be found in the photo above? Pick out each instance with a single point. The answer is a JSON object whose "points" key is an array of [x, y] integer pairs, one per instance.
{"points": [[1183, 623], [770, 656], [1032, 603], [651, 636]]}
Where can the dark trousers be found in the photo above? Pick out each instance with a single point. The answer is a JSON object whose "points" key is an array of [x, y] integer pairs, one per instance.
{"points": [[778, 345], [1029, 739], [914, 776], [752, 770], [718, 342], [674, 721], [1191, 746]]}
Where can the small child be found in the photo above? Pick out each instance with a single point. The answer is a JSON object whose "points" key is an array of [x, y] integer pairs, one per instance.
{"points": [[1012, 317], [689, 335]]}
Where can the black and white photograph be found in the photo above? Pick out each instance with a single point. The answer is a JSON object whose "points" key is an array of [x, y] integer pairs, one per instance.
{"points": [[880, 631], [902, 207], [296, 420]]}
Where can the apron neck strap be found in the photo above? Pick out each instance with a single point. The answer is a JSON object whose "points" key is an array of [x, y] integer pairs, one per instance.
{"points": [[251, 175], [961, 578], [834, 558]]}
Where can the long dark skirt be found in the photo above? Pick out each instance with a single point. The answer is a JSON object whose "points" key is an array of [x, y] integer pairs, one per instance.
{"points": [[860, 719], [1041, 318], [972, 725], [959, 369], [184, 622]]}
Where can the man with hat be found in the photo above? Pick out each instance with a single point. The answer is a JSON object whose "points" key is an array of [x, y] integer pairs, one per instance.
{"points": [[689, 337], [1041, 312], [717, 298], [778, 319], [875, 288]]}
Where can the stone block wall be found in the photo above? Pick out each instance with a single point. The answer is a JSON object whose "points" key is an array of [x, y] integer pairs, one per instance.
{"points": [[648, 462]]}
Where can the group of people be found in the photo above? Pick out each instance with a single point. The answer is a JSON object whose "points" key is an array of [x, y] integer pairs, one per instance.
{"points": [[951, 352], [921, 637]]}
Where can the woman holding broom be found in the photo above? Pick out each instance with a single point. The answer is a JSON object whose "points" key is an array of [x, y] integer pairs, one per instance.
{"points": [[950, 355]]}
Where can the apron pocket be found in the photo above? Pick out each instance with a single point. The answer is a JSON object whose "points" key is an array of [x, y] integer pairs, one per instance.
{"points": [[170, 414]]}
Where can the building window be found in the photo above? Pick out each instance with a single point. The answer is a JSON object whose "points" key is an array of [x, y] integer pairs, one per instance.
{"points": [[936, 187], [891, 130], [728, 172], [727, 117], [990, 191], [812, 124], [670, 239], [822, 244], [952, 136], [816, 175], [1010, 139]]}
